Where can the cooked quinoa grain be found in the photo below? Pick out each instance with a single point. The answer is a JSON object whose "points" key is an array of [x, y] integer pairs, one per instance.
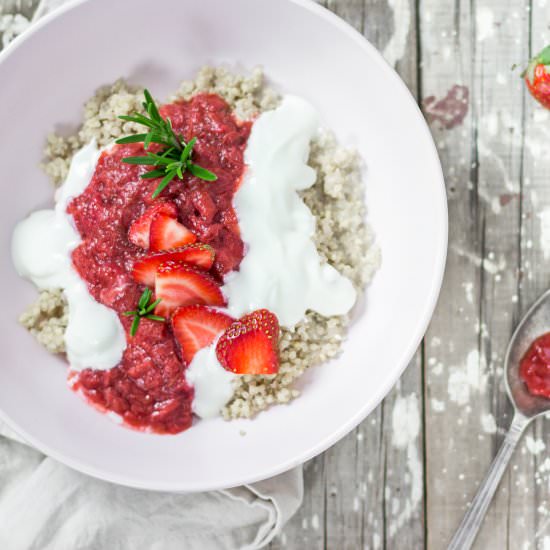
{"points": [[47, 320], [246, 95], [336, 199]]}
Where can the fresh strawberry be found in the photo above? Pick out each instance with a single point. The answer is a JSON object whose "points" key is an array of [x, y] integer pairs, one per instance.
{"points": [[140, 228], [249, 345], [197, 254], [196, 327], [537, 77], [166, 233], [178, 284]]}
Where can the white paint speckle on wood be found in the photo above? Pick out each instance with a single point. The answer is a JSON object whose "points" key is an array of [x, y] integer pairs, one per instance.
{"points": [[405, 431], [485, 23], [534, 446], [488, 423], [437, 406], [395, 48], [466, 379]]}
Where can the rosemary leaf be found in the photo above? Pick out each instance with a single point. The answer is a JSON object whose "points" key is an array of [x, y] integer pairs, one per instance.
{"points": [[174, 159], [143, 310], [201, 172], [155, 318], [135, 325], [140, 161], [163, 184], [153, 305], [153, 174], [145, 297], [138, 138]]}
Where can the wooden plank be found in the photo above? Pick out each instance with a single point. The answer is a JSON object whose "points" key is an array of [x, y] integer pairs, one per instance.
{"points": [[403, 444], [469, 333], [531, 477], [446, 29], [500, 41]]}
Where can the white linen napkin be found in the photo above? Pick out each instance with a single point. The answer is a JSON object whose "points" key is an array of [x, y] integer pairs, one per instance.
{"points": [[47, 506]]}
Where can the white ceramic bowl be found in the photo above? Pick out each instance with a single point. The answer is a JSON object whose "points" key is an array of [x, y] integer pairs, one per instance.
{"points": [[46, 76]]}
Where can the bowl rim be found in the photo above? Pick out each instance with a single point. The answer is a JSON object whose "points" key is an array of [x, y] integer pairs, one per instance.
{"points": [[425, 316]]}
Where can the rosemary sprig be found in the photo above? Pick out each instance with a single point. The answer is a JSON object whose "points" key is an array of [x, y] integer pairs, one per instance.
{"points": [[144, 309], [175, 156]]}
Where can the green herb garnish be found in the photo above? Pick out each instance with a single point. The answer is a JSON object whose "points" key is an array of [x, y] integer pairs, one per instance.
{"points": [[144, 309], [175, 157]]}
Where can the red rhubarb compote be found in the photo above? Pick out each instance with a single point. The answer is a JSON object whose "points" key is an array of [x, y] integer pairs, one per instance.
{"points": [[534, 368], [148, 388]]}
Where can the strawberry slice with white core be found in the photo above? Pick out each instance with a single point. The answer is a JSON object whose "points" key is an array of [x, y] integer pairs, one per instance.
{"points": [[196, 327], [249, 345], [197, 254], [166, 232], [140, 229], [179, 284]]}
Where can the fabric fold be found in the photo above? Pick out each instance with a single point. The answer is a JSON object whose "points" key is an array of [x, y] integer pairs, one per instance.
{"points": [[47, 506]]}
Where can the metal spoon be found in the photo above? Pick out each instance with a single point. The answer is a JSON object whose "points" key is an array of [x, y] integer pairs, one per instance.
{"points": [[526, 407]]}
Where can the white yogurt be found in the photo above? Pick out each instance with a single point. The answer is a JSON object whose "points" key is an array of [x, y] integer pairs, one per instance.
{"points": [[41, 249], [282, 270], [212, 383]]}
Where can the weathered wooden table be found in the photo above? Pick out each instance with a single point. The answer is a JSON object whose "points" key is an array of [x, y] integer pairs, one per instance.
{"points": [[403, 479]]}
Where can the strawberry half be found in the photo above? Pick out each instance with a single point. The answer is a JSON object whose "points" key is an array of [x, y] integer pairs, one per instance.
{"points": [[537, 77], [140, 228], [249, 345], [197, 254], [179, 284], [196, 327], [166, 232]]}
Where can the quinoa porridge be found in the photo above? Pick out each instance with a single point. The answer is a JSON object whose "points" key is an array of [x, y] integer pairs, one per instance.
{"points": [[336, 200]]}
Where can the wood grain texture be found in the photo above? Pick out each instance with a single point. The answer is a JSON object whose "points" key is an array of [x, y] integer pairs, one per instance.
{"points": [[486, 267], [373, 490], [531, 472]]}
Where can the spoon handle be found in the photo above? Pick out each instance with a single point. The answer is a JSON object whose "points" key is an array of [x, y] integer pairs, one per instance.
{"points": [[467, 531]]}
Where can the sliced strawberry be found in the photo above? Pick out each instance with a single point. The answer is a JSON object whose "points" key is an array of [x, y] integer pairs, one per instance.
{"points": [[166, 233], [197, 254], [179, 284], [196, 327], [140, 228], [249, 345]]}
